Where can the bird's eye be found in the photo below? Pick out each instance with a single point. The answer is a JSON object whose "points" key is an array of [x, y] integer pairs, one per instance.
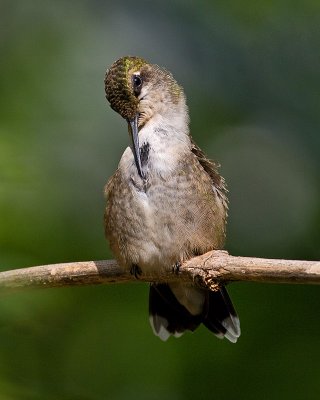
{"points": [[137, 84]]}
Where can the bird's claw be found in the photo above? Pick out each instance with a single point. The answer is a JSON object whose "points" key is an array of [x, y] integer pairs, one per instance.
{"points": [[176, 267], [136, 271]]}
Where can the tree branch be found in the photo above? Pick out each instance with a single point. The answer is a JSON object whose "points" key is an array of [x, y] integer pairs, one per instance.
{"points": [[207, 270]]}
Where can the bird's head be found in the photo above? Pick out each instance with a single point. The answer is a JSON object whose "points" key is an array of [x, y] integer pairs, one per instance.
{"points": [[139, 91]]}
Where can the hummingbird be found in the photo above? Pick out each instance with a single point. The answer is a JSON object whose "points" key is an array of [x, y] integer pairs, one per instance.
{"points": [[166, 202]]}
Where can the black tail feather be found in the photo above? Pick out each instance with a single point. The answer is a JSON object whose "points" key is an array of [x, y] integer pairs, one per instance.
{"points": [[169, 317], [220, 316]]}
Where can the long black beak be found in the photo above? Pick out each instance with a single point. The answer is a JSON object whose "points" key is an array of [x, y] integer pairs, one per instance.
{"points": [[133, 130]]}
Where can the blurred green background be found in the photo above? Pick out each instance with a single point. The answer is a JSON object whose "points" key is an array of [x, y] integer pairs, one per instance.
{"points": [[251, 72]]}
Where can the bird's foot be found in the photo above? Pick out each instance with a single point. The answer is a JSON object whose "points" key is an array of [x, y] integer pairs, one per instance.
{"points": [[136, 271], [176, 267]]}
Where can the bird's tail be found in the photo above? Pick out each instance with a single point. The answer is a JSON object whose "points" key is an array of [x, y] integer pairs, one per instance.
{"points": [[176, 308]]}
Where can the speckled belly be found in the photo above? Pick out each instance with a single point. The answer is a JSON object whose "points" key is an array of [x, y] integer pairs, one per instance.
{"points": [[160, 225]]}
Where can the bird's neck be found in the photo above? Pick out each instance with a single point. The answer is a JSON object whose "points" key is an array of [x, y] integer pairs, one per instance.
{"points": [[169, 124], [163, 140]]}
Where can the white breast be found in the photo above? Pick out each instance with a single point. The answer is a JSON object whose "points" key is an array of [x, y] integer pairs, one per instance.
{"points": [[158, 249]]}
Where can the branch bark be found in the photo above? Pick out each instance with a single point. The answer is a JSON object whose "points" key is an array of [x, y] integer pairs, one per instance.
{"points": [[207, 270]]}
